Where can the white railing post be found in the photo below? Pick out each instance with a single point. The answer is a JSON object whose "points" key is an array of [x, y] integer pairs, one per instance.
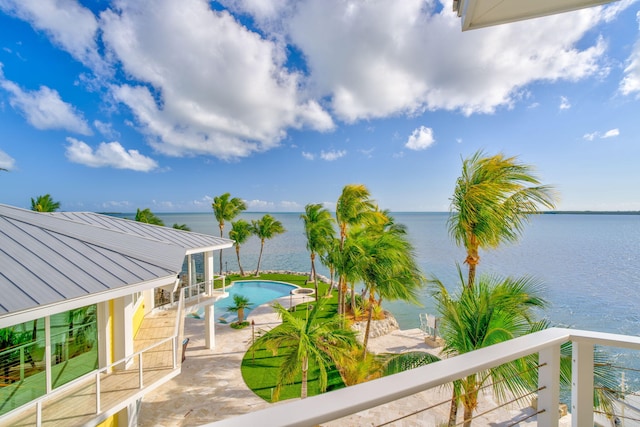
{"points": [[581, 384], [39, 413], [175, 352], [140, 370], [98, 392], [549, 385]]}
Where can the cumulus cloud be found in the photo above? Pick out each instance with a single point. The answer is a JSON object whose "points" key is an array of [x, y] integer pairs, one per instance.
{"points": [[44, 109], [6, 161], [608, 134], [420, 139], [332, 155], [223, 90], [259, 205], [308, 156], [375, 59], [631, 82], [108, 154], [564, 103], [68, 24]]}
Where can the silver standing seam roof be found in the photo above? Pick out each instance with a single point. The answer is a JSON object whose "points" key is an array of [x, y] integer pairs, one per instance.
{"points": [[67, 258]]}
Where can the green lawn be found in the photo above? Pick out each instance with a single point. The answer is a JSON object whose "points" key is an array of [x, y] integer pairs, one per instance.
{"points": [[260, 367]]}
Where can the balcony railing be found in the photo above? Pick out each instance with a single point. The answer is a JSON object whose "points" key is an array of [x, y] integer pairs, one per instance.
{"points": [[546, 344], [129, 377], [193, 294]]}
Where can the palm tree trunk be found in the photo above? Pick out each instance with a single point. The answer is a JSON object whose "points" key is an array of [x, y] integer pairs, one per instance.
{"points": [[353, 295], [313, 273], [468, 416], [453, 410], [259, 258], [305, 371], [368, 329], [238, 256]]}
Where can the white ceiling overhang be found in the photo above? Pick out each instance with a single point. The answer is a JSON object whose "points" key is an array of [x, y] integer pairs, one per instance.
{"points": [[485, 13]]}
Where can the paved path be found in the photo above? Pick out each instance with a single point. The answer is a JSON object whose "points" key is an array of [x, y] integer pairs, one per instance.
{"points": [[210, 387]]}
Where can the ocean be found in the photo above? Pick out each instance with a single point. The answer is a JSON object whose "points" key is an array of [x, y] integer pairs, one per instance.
{"points": [[589, 264]]}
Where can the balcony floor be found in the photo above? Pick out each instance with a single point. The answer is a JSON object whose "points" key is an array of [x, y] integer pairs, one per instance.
{"points": [[77, 406]]}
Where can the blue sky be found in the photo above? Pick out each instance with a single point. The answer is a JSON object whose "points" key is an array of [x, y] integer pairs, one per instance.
{"points": [[119, 105]]}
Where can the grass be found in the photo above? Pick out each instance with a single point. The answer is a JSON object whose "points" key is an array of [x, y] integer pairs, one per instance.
{"points": [[260, 366]]}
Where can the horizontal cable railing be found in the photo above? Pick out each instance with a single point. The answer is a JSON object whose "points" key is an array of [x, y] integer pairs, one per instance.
{"points": [[545, 344]]}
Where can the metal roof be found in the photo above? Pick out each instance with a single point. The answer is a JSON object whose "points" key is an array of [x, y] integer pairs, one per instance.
{"points": [[64, 259], [485, 13]]}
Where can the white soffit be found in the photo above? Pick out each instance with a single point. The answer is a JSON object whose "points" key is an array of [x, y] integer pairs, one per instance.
{"points": [[485, 13]]}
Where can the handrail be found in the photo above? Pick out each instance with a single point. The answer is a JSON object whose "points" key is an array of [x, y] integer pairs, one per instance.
{"points": [[347, 401], [96, 373]]}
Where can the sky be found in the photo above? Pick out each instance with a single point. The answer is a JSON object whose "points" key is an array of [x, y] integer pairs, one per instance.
{"points": [[113, 106]]}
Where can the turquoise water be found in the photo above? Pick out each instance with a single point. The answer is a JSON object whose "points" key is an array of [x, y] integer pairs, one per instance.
{"points": [[258, 292]]}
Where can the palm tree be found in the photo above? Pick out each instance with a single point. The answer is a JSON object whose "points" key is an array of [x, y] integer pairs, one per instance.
{"points": [[226, 208], [312, 340], [266, 227], [240, 232], [387, 266], [240, 303], [494, 310], [318, 228], [183, 227], [44, 204], [492, 200], [354, 208], [148, 217]]}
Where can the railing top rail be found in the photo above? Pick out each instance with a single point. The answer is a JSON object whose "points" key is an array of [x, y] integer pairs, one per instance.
{"points": [[347, 401]]}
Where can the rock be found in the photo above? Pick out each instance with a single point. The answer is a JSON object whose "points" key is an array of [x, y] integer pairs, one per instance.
{"points": [[378, 327]]}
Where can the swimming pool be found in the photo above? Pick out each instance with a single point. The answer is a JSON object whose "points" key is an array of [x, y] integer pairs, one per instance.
{"points": [[257, 291]]}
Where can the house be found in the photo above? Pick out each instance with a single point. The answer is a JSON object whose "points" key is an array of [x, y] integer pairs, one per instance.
{"points": [[91, 310]]}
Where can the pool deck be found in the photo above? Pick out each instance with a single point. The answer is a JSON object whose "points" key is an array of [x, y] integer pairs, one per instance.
{"points": [[211, 388]]}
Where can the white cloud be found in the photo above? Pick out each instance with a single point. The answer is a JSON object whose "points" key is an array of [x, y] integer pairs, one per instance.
{"points": [[564, 103], [420, 139], [631, 81], [332, 155], [106, 129], [308, 156], [608, 134], [44, 109], [259, 205], [108, 154], [375, 59], [68, 24], [6, 161], [291, 206], [223, 90]]}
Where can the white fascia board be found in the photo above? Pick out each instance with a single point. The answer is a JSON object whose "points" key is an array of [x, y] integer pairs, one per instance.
{"points": [[485, 13], [210, 248], [16, 318]]}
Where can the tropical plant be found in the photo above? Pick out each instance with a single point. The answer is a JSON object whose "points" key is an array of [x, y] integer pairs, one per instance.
{"points": [[354, 207], [386, 265], [316, 341], [265, 228], [44, 204], [318, 229], [240, 304], [240, 232], [226, 208], [148, 217], [493, 199], [492, 311], [183, 227]]}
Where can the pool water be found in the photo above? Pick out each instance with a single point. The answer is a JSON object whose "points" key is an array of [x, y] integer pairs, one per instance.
{"points": [[258, 292]]}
